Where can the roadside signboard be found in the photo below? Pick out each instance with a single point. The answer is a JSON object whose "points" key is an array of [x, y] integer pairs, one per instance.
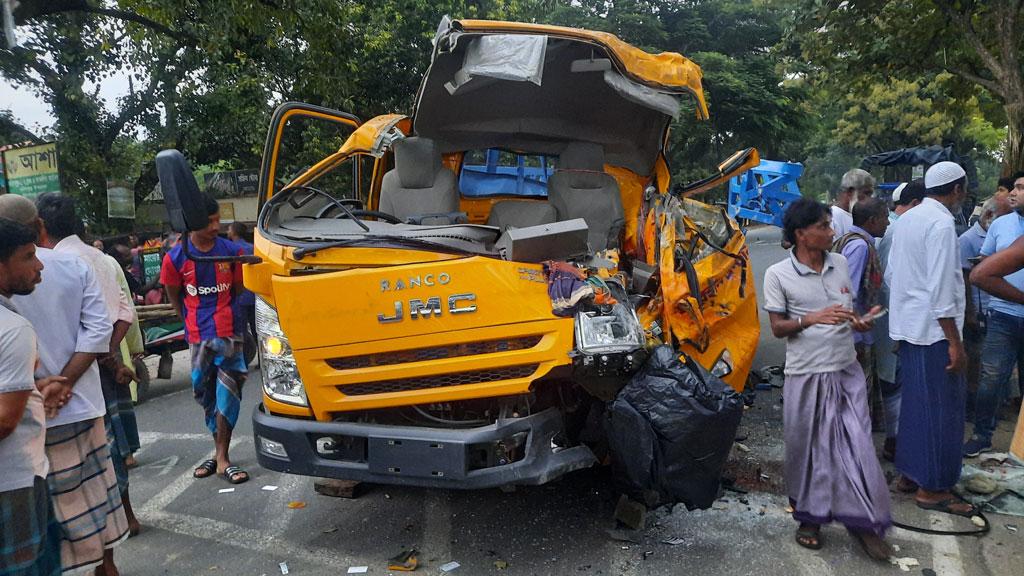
{"points": [[32, 170], [152, 258], [232, 183], [120, 200]]}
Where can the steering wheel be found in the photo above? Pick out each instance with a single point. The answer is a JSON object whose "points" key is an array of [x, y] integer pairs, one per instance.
{"points": [[352, 203], [378, 214]]}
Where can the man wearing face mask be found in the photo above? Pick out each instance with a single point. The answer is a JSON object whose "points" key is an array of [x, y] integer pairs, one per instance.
{"points": [[1004, 329], [927, 315]]}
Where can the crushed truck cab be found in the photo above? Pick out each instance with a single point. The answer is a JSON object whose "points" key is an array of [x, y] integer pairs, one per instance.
{"points": [[449, 299]]}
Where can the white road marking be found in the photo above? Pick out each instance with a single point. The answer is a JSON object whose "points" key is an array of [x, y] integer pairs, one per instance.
{"points": [[164, 464], [946, 557]]}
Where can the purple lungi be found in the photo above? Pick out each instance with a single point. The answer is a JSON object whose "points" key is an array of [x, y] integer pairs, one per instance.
{"points": [[928, 448], [832, 472]]}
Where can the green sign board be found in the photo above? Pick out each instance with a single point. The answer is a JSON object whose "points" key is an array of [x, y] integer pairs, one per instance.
{"points": [[32, 170], [151, 262]]}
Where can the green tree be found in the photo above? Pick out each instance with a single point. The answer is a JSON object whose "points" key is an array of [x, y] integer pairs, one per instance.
{"points": [[980, 42]]}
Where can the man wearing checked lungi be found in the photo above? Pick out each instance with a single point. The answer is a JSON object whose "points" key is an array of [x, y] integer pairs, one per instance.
{"points": [[927, 301], [203, 294], [831, 471], [69, 316], [29, 532]]}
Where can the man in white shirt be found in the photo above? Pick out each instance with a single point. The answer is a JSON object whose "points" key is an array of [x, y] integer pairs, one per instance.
{"points": [[63, 226], [855, 186], [926, 316], [71, 336], [30, 535]]}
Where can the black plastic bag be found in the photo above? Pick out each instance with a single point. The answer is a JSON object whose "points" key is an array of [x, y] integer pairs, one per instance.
{"points": [[670, 430]]}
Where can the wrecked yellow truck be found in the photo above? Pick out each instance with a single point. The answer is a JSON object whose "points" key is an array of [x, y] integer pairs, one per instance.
{"points": [[410, 323]]}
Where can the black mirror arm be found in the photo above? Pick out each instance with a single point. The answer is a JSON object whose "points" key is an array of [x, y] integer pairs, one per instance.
{"points": [[243, 258]]}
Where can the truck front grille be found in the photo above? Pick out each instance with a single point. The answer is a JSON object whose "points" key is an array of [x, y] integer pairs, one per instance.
{"points": [[439, 381], [434, 353]]}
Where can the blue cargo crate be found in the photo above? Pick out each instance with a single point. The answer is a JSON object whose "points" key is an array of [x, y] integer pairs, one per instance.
{"points": [[762, 194]]}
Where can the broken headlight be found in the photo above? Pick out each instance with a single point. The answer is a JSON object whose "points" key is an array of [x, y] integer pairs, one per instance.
{"points": [[617, 331], [724, 365], [281, 379]]}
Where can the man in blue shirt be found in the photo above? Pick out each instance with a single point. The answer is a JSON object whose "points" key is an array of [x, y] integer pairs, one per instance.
{"points": [[1004, 338]]}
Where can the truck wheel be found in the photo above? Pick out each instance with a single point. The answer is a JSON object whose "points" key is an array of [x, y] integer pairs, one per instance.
{"points": [[142, 371], [249, 348]]}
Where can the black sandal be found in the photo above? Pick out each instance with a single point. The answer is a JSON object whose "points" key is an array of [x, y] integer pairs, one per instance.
{"points": [[879, 550], [946, 505], [809, 536], [206, 469], [235, 475]]}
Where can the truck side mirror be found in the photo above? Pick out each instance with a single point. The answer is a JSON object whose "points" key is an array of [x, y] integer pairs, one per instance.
{"points": [[182, 198]]}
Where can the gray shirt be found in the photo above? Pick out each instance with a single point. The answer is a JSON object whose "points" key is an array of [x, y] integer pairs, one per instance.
{"points": [[795, 289], [23, 452], [69, 315]]}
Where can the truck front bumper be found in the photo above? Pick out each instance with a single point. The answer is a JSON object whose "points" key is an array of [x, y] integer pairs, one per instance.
{"points": [[412, 455]]}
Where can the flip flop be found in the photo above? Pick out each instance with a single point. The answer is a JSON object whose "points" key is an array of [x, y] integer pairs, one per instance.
{"points": [[206, 469], [809, 537], [235, 475], [944, 505]]}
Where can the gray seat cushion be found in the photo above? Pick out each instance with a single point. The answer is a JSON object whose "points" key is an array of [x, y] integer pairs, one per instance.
{"points": [[580, 188], [520, 214], [419, 184]]}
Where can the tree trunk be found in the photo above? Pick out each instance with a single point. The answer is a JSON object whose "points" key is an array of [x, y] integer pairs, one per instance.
{"points": [[1014, 160]]}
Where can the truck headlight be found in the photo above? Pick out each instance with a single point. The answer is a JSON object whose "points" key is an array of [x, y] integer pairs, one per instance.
{"points": [[281, 379], [619, 331], [724, 365]]}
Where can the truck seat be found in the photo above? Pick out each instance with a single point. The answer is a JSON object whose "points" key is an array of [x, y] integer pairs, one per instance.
{"points": [[520, 214], [580, 188], [419, 184]]}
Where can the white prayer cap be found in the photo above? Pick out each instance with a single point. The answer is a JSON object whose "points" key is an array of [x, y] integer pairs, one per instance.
{"points": [[943, 173], [897, 192]]}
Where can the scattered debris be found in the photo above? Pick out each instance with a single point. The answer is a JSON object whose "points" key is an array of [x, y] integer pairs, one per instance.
{"points": [[630, 512], [928, 572], [296, 504], [330, 530], [981, 484], [1012, 528], [269, 488], [978, 521], [895, 547], [338, 488], [226, 490], [405, 561], [450, 566], [742, 447], [500, 564], [764, 477], [648, 553], [673, 541], [788, 509], [625, 535], [284, 567], [358, 569], [905, 564]]}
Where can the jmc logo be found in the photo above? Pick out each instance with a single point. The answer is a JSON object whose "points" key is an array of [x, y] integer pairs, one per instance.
{"points": [[419, 308]]}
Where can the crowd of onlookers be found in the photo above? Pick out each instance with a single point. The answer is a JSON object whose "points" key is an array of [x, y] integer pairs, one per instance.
{"points": [[69, 333], [890, 328]]}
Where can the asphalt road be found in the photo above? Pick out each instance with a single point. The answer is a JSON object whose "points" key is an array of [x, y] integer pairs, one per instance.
{"points": [[190, 527]]}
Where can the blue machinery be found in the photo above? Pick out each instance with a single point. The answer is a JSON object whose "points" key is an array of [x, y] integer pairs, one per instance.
{"points": [[762, 194]]}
